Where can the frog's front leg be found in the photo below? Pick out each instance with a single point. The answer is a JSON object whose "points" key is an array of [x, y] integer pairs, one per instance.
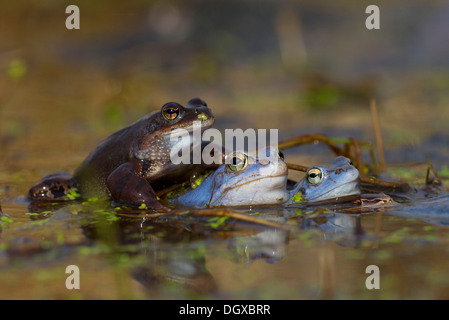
{"points": [[128, 185]]}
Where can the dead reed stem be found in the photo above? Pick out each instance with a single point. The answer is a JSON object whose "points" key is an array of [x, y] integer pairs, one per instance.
{"points": [[378, 134]]}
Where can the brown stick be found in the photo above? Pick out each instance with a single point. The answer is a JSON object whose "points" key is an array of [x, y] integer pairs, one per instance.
{"points": [[296, 167], [401, 186], [378, 134], [309, 138]]}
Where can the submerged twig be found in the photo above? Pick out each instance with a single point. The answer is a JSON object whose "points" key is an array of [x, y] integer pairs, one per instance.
{"points": [[210, 212]]}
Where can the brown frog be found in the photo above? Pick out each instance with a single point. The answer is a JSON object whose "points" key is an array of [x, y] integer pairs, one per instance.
{"points": [[133, 162]]}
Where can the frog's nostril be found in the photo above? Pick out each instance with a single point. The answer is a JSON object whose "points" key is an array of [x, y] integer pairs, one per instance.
{"points": [[202, 117]]}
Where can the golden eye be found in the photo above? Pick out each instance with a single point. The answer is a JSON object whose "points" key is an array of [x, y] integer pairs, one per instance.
{"points": [[237, 162], [315, 175], [170, 111], [350, 162]]}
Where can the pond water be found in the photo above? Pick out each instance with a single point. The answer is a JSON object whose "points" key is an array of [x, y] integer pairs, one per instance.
{"points": [[63, 92], [280, 253]]}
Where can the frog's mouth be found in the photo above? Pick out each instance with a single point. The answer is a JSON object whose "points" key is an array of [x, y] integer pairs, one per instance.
{"points": [[349, 188], [242, 194], [198, 125], [273, 182], [280, 177], [181, 130]]}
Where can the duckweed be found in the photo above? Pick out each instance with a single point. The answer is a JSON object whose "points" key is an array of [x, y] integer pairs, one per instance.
{"points": [[31, 213], [297, 198], [143, 206], [216, 221], [5, 221], [93, 199], [73, 195]]}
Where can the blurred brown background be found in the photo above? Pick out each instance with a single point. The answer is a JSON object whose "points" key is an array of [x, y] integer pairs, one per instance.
{"points": [[298, 66]]}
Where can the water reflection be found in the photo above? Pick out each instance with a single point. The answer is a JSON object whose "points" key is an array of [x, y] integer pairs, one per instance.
{"points": [[269, 245], [170, 255], [434, 210], [347, 228]]}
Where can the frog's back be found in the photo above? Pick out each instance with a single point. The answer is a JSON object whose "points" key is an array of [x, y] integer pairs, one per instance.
{"points": [[115, 150]]}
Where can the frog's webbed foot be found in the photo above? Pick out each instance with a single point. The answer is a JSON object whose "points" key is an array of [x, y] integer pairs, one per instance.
{"points": [[59, 186], [128, 186]]}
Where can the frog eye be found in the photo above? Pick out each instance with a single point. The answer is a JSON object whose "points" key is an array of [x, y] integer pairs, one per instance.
{"points": [[315, 175], [170, 111], [237, 162], [350, 162]]}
